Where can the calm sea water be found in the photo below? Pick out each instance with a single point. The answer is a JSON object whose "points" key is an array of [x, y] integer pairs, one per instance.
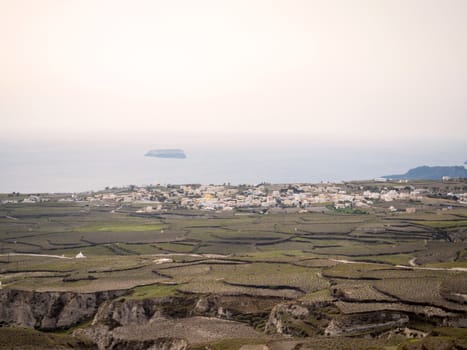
{"points": [[48, 167]]}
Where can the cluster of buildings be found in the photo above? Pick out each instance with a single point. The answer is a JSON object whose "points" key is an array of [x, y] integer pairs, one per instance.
{"points": [[263, 196]]}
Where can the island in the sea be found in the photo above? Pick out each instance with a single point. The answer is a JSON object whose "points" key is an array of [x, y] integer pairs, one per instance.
{"points": [[166, 153]]}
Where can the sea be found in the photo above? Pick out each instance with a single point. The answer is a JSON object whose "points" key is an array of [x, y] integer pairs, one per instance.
{"points": [[68, 166]]}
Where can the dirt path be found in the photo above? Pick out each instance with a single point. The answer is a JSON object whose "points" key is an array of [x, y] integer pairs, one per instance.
{"points": [[412, 266], [37, 255], [209, 256], [462, 269]]}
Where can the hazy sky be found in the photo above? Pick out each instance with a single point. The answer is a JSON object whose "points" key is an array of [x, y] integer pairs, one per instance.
{"points": [[330, 69]]}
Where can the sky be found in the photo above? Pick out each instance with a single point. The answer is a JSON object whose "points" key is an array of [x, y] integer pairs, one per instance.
{"points": [[363, 70]]}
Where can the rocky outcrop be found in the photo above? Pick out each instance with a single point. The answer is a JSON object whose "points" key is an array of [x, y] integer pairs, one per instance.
{"points": [[61, 310], [49, 310], [299, 319], [105, 339], [165, 323], [323, 318], [456, 322], [247, 309], [367, 323], [175, 332], [171, 323], [152, 344], [124, 312]]}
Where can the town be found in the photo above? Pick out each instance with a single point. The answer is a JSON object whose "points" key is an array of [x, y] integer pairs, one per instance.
{"points": [[400, 196]]}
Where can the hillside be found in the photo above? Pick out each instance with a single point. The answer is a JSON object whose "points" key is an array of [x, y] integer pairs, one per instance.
{"points": [[431, 173]]}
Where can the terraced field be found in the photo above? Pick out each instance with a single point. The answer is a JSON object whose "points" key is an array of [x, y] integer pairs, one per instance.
{"points": [[101, 233], [353, 264]]}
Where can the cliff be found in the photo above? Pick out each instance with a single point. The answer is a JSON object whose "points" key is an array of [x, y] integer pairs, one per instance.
{"points": [[178, 322], [49, 310]]}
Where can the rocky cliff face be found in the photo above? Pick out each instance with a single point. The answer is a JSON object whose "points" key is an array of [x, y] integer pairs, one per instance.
{"points": [[324, 318], [125, 323], [170, 323], [49, 310], [61, 310], [124, 312]]}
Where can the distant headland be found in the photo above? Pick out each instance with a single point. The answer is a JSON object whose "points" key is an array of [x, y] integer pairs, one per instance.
{"points": [[166, 153], [431, 173]]}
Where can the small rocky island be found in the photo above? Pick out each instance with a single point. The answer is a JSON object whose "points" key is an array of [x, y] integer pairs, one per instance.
{"points": [[166, 153]]}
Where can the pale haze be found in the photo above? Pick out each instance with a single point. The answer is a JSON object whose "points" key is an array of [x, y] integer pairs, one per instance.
{"points": [[177, 73]]}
